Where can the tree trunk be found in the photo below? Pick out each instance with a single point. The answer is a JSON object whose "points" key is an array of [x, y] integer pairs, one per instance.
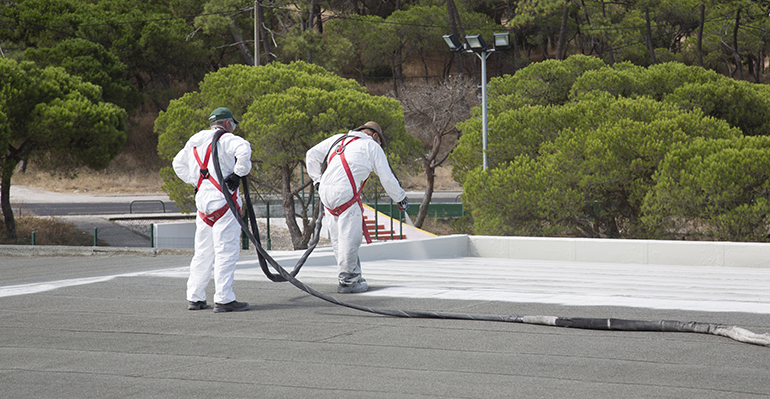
{"points": [[736, 54], [607, 37], [269, 57], [312, 214], [288, 209], [649, 35], [245, 53], [430, 164], [14, 155], [560, 48], [430, 178], [424, 67], [753, 71], [315, 17], [514, 38], [311, 23], [5, 204], [700, 34], [457, 30]]}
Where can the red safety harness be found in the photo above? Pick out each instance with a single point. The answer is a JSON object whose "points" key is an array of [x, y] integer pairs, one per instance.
{"points": [[211, 218], [357, 193]]}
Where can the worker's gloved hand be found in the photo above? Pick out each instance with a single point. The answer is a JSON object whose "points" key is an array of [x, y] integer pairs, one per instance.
{"points": [[232, 181], [403, 204], [316, 185]]}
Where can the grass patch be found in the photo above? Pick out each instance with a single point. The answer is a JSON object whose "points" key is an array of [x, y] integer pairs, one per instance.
{"points": [[48, 231]]}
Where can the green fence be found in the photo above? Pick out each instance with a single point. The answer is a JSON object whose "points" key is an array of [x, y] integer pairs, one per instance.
{"points": [[434, 210]]}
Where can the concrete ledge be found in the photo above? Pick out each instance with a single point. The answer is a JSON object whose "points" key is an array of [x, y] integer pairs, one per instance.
{"points": [[454, 246], [657, 252], [680, 253], [62, 250]]}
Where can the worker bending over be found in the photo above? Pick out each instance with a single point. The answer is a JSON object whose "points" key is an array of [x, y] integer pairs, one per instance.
{"points": [[349, 159]]}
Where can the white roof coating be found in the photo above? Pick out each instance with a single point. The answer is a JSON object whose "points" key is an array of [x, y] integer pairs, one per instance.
{"points": [[715, 289]]}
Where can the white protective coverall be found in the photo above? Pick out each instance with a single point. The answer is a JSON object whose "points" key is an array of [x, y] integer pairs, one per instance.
{"points": [[363, 156], [217, 247]]}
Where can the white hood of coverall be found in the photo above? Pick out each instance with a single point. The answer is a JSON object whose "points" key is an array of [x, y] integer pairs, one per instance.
{"points": [[363, 156]]}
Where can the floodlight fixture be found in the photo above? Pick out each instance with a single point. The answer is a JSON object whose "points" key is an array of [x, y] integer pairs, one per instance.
{"points": [[502, 40], [476, 43], [453, 42]]}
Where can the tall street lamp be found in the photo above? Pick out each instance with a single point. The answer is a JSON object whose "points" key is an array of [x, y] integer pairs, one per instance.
{"points": [[476, 44]]}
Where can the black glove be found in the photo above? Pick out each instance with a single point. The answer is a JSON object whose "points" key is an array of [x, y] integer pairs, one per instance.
{"points": [[232, 181], [403, 204], [316, 185]]}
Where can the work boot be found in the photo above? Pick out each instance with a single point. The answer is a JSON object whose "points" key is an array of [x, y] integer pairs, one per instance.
{"points": [[233, 306], [192, 305], [353, 288]]}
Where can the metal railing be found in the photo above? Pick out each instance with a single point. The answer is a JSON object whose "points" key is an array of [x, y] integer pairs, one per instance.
{"points": [[131, 205]]}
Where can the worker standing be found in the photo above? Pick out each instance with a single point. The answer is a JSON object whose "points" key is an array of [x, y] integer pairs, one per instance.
{"points": [[349, 159], [217, 231]]}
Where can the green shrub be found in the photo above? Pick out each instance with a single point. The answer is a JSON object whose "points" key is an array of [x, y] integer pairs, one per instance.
{"points": [[718, 188]]}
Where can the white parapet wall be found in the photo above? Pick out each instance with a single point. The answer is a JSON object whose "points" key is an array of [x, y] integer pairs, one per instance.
{"points": [[174, 235], [654, 252], [657, 252], [455, 246]]}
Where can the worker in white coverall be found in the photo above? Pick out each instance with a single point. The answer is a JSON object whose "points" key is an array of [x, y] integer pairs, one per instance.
{"points": [[217, 231], [350, 158]]}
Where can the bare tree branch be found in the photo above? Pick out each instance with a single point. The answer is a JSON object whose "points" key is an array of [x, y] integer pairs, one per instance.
{"points": [[431, 113]]}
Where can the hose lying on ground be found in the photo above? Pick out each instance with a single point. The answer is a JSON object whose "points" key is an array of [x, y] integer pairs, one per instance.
{"points": [[736, 333]]}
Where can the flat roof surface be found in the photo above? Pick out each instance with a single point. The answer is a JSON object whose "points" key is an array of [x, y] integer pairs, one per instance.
{"points": [[118, 327]]}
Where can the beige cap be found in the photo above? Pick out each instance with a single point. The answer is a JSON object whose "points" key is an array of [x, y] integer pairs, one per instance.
{"points": [[370, 125]]}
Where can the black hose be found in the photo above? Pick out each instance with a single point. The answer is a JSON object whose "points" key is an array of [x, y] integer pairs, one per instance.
{"points": [[254, 234], [733, 332]]}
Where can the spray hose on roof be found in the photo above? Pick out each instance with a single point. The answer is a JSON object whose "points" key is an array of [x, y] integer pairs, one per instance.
{"points": [[736, 333]]}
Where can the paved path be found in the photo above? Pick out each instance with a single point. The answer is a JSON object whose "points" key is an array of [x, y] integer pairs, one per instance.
{"points": [[116, 326], [95, 214]]}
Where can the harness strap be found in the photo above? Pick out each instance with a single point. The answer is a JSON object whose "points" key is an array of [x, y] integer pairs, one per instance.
{"points": [[212, 217], [356, 192], [205, 175]]}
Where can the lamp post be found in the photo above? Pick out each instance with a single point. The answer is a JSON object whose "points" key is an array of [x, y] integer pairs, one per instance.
{"points": [[476, 44]]}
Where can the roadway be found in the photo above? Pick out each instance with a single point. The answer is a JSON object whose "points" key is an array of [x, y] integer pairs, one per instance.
{"points": [[45, 203]]}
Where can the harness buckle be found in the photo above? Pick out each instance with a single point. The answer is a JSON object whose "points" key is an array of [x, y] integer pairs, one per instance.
{"points": [[340, 149], [205, 173]]}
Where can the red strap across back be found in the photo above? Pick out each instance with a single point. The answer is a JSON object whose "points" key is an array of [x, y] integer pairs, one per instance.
{"points": [[204, 170], [340, 150], [211, 218]]}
